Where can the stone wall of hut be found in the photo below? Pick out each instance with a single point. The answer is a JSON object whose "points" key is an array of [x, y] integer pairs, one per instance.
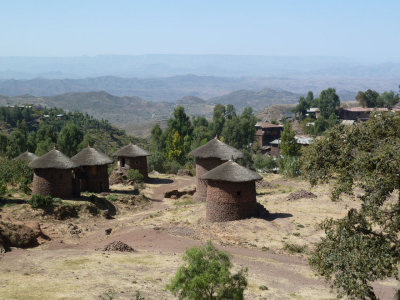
{"points": [[229, 201], [139, 163], [94, 179], [203, 165], [54, 182]]}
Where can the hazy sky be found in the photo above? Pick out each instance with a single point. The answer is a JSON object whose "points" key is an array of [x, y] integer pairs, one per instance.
{"points": [[359, 29]]}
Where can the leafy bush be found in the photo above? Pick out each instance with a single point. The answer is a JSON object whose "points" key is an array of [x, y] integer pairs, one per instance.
{"points": [[206, 275], [172, 167], [3, 189], [264, 163], [15, 172], [39, 201], [293, 248], [134, 174], [289, 166]]}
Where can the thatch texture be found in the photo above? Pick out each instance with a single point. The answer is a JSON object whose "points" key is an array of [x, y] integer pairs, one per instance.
{"points": [[232, 172], [131, 150], [27, 156], [216, 148], [53, 160], [91, 157]]}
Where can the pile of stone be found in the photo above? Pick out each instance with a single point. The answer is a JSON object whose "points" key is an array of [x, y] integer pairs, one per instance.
{"points": [[175, 194], [118, 246], [300, 194], [183, 172]]}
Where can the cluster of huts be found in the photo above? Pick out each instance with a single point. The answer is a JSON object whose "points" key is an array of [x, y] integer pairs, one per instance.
{"points": [[57, 175], [227, 187]]}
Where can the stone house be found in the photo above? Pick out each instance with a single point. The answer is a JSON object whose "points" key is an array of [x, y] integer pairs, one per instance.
{"points": [[231, 192], [267, 132], [93, 171], [53, 175], [209, 156], [132, 157]]}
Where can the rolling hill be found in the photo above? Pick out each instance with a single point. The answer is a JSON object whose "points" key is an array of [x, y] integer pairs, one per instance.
{"points": [[257, 100]]}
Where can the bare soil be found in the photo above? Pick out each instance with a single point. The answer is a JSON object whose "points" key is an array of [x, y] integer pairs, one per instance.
{"points": [[74, 264]]}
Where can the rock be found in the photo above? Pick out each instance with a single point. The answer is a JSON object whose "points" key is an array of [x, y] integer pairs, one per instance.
{"points": [[300, 194], [17, 235], [183, 172], [74, 230], [175, 194], [108, 231], [62, 212], [118, 246]]}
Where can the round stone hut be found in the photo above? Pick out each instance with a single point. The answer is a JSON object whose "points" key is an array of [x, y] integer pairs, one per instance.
{"points": [[209, 156], [231, 192], [132, 157], [53, 175], [93, 173], [27, 156]]}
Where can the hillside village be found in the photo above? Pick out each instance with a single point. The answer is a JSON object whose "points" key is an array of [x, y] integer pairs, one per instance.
{"points": [[85, 202]]}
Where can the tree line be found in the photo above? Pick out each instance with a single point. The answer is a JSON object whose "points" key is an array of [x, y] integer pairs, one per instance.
{"points": [[38, 130], [170, 147]]}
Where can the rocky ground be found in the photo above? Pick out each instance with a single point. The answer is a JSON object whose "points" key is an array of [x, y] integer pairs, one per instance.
{"points": [[123, 245]]}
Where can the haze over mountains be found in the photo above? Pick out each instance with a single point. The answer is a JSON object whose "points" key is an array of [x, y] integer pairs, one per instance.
{"points": [[144, 89]]}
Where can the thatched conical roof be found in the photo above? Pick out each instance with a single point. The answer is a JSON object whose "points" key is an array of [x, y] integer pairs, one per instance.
{"points": [[53, 160], [27, 156], [131, 150], [218, 149], [91, 157], [232, 172]]}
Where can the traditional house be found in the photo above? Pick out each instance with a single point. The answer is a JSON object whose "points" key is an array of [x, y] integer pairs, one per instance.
{"points": [[209, 156], [267, 132], [132, 157], [53, 175], [26, 156], [231, 192], [93, 173], [359, 113], [303, 141]]}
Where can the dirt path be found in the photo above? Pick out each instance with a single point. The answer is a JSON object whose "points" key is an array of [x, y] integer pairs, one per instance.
{"points": [[66, 263]]}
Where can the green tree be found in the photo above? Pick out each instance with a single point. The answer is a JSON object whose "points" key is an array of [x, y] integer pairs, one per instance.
{"points": [[328, 102], [156, 138], [218, 120], [389, 99], [206, 275], [88, 140], [174, 147], [369, 98], [364, 246], [31, 142], [3, 144], [69, 139], [289, 146], [16, 143], [44, 146]]}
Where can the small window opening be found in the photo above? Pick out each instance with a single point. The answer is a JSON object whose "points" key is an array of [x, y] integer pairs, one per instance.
{"points": [[137, 162], [238, 193]]}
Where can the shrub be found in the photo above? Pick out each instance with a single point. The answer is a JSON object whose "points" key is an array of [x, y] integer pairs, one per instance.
{"points": [[264, 163], [293, 248], [39, 201], [134, 174], [15, 172], [206, 275], [3, 189], [289, 166]]}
